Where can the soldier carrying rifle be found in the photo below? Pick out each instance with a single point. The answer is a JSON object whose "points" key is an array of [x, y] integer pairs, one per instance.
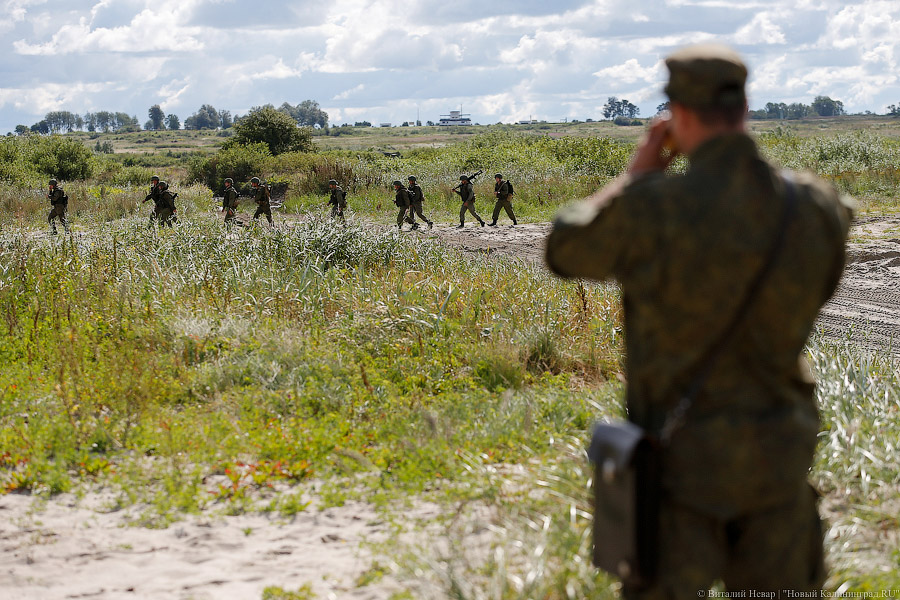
{"points": [[58, 204], [467, 194]]}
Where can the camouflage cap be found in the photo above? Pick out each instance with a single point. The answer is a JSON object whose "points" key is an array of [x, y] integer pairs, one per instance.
{"points": [[705, 76], [163, 185], [255, 180], [154, 178], [332, 182], [463, 177], [52, 182], [411, 178], [229, 180], [397, 183]]}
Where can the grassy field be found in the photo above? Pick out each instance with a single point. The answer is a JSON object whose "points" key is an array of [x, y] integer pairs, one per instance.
{"points": [[196, 369]]}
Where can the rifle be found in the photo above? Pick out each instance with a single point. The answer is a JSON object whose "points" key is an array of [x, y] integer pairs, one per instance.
{"points": [[471, 178]]}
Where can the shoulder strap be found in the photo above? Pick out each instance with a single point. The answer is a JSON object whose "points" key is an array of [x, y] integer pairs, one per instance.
{"points": [[675, 418]]}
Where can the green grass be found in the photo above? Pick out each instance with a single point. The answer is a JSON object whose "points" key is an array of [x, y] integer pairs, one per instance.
{"points": [[189, 369]]}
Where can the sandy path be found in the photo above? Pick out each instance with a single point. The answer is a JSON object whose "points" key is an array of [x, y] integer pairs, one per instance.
{"points": [[865, 309], [67, 549]]}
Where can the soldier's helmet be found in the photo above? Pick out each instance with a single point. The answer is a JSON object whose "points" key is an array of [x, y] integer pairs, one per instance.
{"points": [[255, 180], [411, 178], [52, 182], [463, 178], [397, 183], [229, 180], [332, 182], [155, 178], [163, 186], [498, 176]]}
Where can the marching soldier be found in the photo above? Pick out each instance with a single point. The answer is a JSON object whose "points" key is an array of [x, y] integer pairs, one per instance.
{"points": [[262, 197], [338, 200], [153, 195], [166, 207], [401, 199], [503, 195], [416, 198], [467, 195], [58, 205], [229, 201]]}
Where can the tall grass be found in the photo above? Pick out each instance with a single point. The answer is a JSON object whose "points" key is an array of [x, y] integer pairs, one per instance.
{"points": [[524, 531], [160, 361]]}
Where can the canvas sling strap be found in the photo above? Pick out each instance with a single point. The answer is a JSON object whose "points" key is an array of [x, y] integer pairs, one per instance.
{"points": [[626, 457]]}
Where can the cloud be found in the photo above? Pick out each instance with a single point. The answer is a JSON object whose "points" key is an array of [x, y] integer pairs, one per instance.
{"points": [[760, 30], [378, 60]]}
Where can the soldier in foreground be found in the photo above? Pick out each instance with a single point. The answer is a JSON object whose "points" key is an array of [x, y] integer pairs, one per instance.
{"points": [[735, 504], [262, 198], [153, 195], [416, 198], [59, 203], [401, 200], [229, 201], [338, 200], [166, 208], [467, 195]]}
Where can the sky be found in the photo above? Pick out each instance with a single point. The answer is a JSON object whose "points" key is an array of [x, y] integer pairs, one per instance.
{"points": [[396, 60]]}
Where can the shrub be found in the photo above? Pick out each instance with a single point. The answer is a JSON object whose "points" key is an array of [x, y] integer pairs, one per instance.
{"points": [[240, 162], [273, 128]]}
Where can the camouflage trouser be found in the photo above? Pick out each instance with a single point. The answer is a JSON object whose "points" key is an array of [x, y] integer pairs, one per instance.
{"points": [[468, 206], [58, 211], [507, 204], [416, 209], [229, 215], [402, 216], [337, 212], [264, 209], [774, 549], [166, 216]]}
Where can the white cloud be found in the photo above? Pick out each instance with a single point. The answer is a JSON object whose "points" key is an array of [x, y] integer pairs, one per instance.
{"points": [[631, 71], [380, 59], [760, 30]]}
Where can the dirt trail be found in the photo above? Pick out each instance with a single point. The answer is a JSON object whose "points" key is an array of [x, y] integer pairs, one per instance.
{"points": [[865, 309]]}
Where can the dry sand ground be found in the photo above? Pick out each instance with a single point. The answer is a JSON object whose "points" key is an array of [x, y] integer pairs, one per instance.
{"points": [[75, 549]]}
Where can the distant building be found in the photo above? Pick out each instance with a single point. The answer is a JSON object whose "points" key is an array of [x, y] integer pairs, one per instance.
{"points": [[527, 122], [455, 117], [385, 124]]}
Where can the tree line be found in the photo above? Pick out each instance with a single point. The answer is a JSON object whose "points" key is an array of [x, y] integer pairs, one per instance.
{"points": [[305, 114]]}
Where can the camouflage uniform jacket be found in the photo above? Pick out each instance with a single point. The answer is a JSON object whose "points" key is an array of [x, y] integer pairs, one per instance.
{"points": [[466, 192], [401, 197], [56, 196], [684, 249], [261, 195], [153, 195], [338, 198], [167, 200], [502, 190], [230, 198], [415, 194]]}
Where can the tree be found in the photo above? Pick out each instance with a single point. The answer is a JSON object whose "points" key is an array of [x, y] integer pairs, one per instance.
{"points": [[797, 110], [157, 118], [21, 129], [225, 120], [307, 113], [893, 110], [205, 118], [274, 128], [826, 107], [662, 107], [619, 108], [362, 124], [173, 122], [41, 127]]}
